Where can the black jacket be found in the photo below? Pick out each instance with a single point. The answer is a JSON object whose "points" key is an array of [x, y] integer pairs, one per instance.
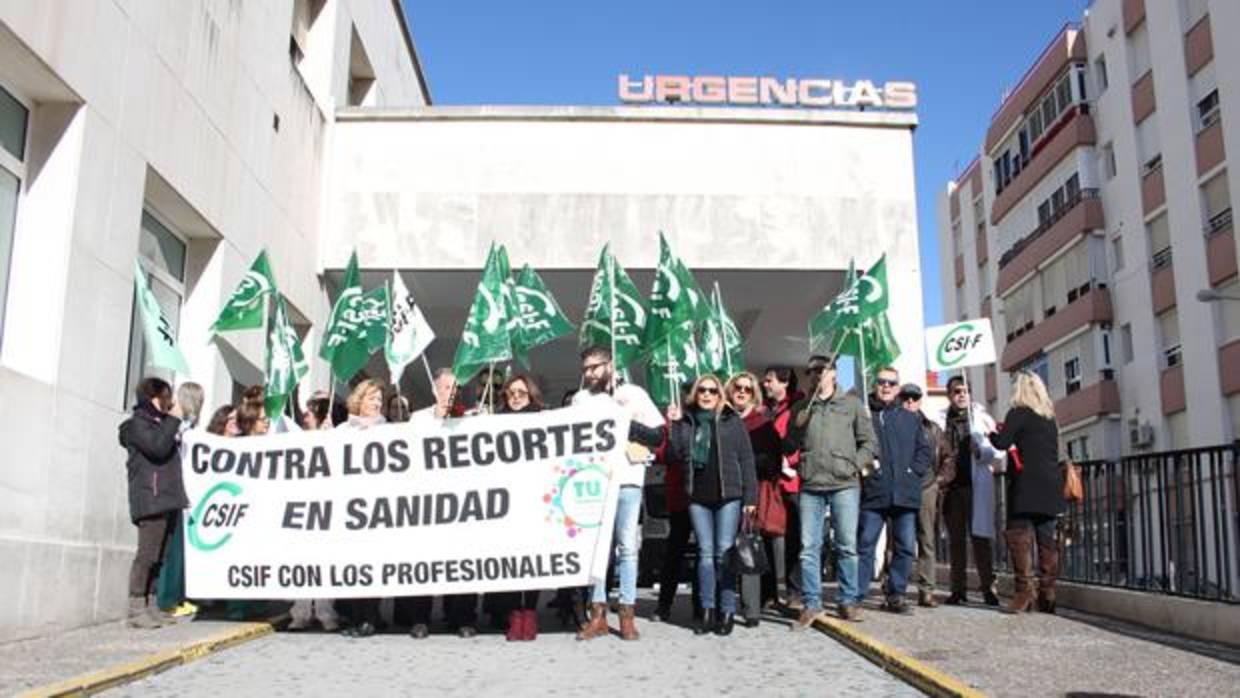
{"points": [[1037, 490], [154, 464], [904, 458], [734, 455]]}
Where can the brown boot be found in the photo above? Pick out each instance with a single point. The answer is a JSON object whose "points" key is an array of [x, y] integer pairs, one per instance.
{"points": [[1020, 548], [1048, 572], [597, 626], [628, 623]]}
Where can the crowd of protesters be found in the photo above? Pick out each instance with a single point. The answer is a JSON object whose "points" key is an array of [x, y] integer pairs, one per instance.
{"points": [[797, 473]]}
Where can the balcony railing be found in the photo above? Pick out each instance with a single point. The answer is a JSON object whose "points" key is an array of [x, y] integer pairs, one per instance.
{"points": [[1218, 222], [1046, 225], [1163, 523]]}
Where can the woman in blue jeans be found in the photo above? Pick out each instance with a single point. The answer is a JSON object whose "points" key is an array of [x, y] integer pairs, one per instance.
{"points": [[709, 441]]}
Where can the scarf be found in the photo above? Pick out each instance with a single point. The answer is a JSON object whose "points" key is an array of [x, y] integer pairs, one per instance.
{"points": [[703, 437]]}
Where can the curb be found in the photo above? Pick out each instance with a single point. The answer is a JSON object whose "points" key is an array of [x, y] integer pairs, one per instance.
{"points": [[914, 672], [151, 664]]}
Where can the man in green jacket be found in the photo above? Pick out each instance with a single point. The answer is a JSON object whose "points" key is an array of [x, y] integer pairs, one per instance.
{"points": [[835, 438]]}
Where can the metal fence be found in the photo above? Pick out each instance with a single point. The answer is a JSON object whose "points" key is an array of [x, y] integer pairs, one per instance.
{"points": [[1161, 522]]}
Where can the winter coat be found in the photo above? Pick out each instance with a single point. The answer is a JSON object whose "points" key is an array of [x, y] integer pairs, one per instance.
{"points": [[835, 439], [904, 459], [985, 462], [942, 468], [1037, 488], [780, 414], [767, 457], [733, 455], [153, 441]]}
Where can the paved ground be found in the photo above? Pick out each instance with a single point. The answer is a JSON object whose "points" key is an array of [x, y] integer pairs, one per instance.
{"points": [[1067, 654], [669, 660], [30, 663]]}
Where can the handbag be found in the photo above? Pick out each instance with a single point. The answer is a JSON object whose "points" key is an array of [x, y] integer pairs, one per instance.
{"points": [[748, 555], [1073, 487], [772, 516]]}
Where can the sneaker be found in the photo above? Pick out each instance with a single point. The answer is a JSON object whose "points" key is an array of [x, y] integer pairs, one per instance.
{"points": [[805, 620], [898, 606]]}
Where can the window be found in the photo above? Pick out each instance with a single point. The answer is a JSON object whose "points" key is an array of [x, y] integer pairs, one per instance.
{"points": [[1149, 148], [1107, 159], [1100, 73], [1125, 343], [1018, 309], [957, 238], [1139, 52], [161, 252], [1177, 429], [1078, 448], [1054, 287], [1169, 336], [1233, 407], [1117, 254], [983, 280], [1160, 241], [1072, 375], [1229, 312], [14, 120], [1217, 201], [1192, 11], [1208, 110]]}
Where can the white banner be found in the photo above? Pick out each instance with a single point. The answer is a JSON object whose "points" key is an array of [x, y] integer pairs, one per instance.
{"points": [[960, 345], [487, 503]]}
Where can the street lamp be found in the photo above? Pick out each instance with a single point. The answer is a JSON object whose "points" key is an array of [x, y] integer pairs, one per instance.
{"points": [[1208, 295]]}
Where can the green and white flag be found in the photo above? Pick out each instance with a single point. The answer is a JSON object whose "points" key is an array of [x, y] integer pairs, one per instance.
{"points": [[616, 313], [408, 332], [723, 352], [246, 307], [161, 345], [286, 364], [361, 331], [863, 297], [673, 365], [337, 331], [485, 338], [674, 298], [872, 343], [539, 318]]}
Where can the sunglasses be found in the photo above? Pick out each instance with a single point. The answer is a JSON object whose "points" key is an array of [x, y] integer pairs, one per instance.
{"points": [[707, 391], [743, 388], [887, 383], [815, 370], [518, 393]]}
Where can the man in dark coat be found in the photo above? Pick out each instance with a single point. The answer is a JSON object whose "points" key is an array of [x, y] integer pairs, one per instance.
{"points": [[891, 494], [942, 470]]}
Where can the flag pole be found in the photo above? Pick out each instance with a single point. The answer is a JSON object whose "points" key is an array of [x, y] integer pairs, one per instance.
{"points": [[865, 388], [671, 379], [611, 317], [430, 377]]}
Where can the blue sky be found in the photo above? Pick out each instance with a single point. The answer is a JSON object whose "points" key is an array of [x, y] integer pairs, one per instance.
{"points": [[962, 54]]}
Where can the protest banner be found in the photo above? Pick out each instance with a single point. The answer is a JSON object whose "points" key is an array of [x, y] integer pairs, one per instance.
{"points": [[960, 345], [482, 504]]}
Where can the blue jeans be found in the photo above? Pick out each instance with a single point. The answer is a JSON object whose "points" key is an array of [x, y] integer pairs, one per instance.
{"points": [[845, 506], [628, 508], [903, 532], [715, 528]]}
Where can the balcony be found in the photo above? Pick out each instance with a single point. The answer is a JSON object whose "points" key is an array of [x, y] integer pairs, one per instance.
{"points": [[1229, 367], [981, 245], [1198, 46], [1209, 146], [1101, 398], [1075, 131], [1171, 385], [1220, 248], [1094, 306], [1143, 101], [1081, 214], [1134, 15], [1153, 194], [1067, 46], [1162, 281]]}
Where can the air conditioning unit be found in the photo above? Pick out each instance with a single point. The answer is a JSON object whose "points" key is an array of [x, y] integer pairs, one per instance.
{"points": [[1140, 435]]}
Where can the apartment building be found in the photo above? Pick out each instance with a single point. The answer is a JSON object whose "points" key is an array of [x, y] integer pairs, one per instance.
{"points": [[1097, 210]]}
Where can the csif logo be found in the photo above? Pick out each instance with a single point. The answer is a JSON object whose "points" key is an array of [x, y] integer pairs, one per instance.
{"points": [[957, 344], [214, 515]]}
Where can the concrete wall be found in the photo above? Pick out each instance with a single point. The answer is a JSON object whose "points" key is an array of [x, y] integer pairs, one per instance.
{"points": [[171, 105]]}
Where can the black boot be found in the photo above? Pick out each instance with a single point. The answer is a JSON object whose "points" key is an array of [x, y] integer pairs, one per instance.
{"points": [[727, 621], [706, 623]]}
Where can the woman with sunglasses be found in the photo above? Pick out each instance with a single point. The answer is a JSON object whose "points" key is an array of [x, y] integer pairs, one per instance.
{"points": [[519, 395], [742, 393], [709, 441]]}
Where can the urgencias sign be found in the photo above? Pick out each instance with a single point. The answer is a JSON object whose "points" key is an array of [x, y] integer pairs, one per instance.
{"points": [[788, 92]]}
